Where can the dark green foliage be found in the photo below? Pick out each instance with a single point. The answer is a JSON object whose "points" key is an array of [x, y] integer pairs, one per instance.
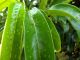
{"points": [[51, 30]]}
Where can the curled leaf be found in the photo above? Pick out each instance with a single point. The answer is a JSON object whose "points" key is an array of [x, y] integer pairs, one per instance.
{"points": [[71, 12]]}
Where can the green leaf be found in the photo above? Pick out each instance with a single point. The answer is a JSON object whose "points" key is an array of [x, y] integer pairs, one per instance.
{"points": [[71, 12], [55, 34], [18, 0], [62, 22], [61, 1], [5, 3], [38, 43], [11, 44], [0, 50], [1, 35], [53, 2], [1, 1], [43, 4]]}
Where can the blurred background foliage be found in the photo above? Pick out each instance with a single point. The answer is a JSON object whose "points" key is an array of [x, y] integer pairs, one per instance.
{"points": [[70, 45]]}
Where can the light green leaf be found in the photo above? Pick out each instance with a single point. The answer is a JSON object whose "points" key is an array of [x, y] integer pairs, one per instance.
{"points": [[71, 12], [11, 44], [0, 50], [5, 3], [38, 44]]}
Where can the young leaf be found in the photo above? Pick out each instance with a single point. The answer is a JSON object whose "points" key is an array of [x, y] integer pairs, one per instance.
{"points": [[5, 3], [11, 44], [0, 50], [1, 1], [38, 44], [55, 34], [71, 12]]}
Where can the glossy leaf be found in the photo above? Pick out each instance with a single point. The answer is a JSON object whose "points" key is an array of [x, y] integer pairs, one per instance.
{"points": [[71, 12], [55, 34], [11, 44], [38, 44]]}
